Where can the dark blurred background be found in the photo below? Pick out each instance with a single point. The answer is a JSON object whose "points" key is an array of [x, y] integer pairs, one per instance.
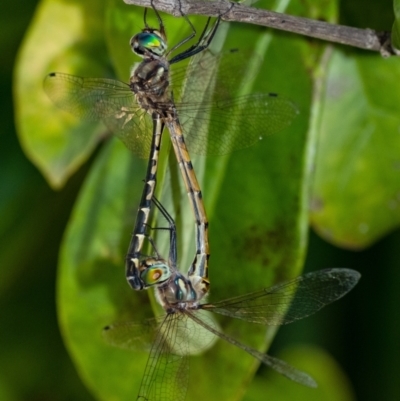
{"points": [[34, 364]]}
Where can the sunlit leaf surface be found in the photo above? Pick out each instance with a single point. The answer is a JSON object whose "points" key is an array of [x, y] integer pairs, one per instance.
{"points": [[66, 36]]}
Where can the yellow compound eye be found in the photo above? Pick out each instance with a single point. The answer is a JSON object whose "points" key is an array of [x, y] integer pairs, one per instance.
{"points": [[156, 274]]}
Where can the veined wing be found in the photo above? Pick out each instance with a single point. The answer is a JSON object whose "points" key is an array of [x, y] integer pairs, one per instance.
{"points": [[170, 340], [237, 123], [280, 366], [107, 100], [289, 301], [166, 374], [216, 117], [132, 336]]}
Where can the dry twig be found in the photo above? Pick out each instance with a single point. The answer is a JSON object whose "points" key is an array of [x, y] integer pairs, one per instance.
{"points": [[362, 38]]}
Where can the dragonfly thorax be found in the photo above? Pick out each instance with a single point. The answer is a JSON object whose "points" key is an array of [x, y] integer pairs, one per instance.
{"points": [[150, 81], [173, 289], [150, 43], [178, 293]]}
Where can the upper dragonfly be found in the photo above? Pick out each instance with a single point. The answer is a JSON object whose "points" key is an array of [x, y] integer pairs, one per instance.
{"points": [[186, 328], [213, 119]]}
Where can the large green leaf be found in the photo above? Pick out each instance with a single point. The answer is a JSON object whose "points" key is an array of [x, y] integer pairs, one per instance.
{"points": [[258, 226], [356, 190], [257, 204], [64, 36], [91, 284]]}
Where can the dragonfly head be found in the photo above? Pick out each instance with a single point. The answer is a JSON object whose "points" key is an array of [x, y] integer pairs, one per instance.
{"points": [[150, 43]]}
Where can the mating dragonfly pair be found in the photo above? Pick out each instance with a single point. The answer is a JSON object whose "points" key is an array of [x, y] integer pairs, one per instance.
{"points": [[137, 113]]}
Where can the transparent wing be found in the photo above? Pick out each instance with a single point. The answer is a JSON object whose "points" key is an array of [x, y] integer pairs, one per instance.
{"points": [[216, 119], [166, 374], [280, 366], [132, 336], [106, 100], [290, 301], [236, 123], [170, 339]]}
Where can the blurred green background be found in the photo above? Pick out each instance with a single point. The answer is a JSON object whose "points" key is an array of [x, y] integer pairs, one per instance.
{"points": [[351, 348]]}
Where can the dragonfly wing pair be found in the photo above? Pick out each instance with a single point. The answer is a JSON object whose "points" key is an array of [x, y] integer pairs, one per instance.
{"points": [[214, 118], [184, 332]]}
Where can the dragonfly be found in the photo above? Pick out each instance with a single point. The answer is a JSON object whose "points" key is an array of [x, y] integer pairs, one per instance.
{"points": [[208, 116], [186, 322]]}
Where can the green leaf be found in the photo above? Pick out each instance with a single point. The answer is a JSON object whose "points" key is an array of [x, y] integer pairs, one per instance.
{"points": [[122, 22], [396, 25], [333, 384], [258, 227], [356, 190], [257, 204], [91, 285], [66, 37]]}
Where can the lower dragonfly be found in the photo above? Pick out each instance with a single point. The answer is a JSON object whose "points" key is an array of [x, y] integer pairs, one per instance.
{"points": [[186, 321], [209, 114]]}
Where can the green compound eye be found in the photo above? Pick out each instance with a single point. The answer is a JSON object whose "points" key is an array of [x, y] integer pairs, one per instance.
{"points": [[155, 274], [150, 41]]}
